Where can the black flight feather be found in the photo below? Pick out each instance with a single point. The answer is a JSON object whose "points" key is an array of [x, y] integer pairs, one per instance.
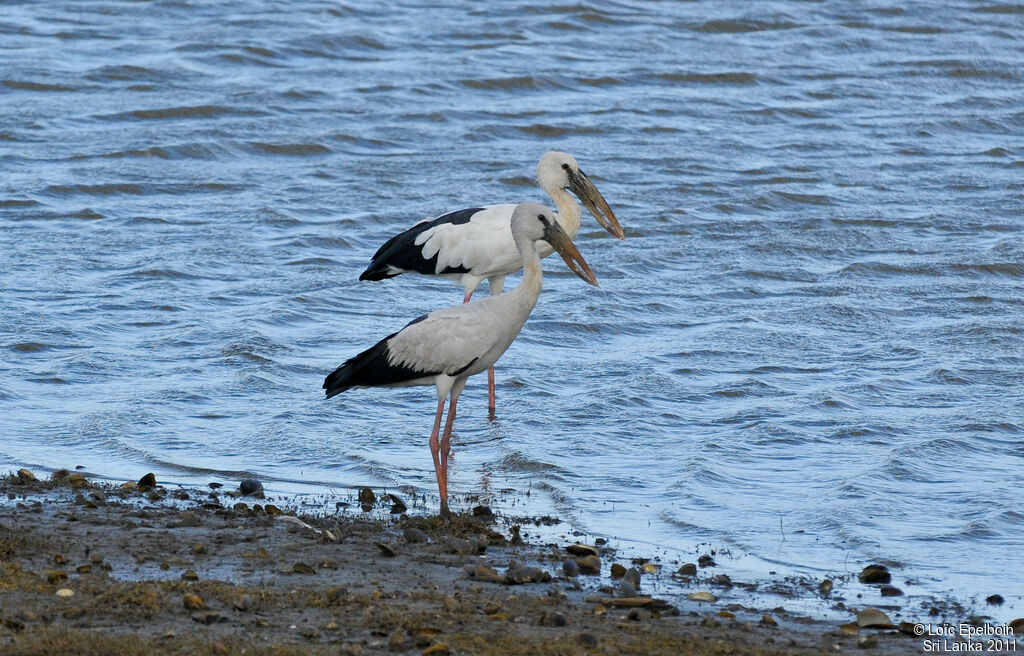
{"points": [[401, 252]]}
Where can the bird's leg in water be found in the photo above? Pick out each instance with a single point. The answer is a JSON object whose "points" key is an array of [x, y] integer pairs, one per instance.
{"points": [[435, 450], [446, 439], [490, 391]]}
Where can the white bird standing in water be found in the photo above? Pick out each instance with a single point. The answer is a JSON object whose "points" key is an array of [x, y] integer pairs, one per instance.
{"points": [[475, 244], [447, 346]]}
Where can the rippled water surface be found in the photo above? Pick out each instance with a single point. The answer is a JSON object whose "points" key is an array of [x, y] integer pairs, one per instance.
{"points": [[810, 348]]}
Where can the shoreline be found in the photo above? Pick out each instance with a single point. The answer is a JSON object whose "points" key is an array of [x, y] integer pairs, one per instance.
{"points": [[88, 567]]}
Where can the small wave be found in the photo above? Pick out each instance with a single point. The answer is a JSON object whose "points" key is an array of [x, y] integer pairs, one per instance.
{"points": [[29, 347], [17, 202], [24, 85], [520, 82], [709, 78], [300, 149], [189, 111], [123, 73], [999, 9], [738, 26]]}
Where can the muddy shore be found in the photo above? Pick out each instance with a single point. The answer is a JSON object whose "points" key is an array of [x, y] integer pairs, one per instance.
{"points": [[96, 568]]}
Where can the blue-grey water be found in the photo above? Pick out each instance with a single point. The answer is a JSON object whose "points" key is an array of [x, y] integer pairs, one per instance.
{"points": [[809, 350]]}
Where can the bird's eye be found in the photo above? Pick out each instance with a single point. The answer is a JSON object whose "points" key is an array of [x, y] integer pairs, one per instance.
{"points": [[565, 166], [543, 219]]}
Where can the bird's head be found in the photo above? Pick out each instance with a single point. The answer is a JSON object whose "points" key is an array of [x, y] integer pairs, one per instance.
{"points": [[537, 222], [557, 170]]}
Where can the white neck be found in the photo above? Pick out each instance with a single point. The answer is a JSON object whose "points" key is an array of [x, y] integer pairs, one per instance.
{"points": [[528, 289], [568, 210]]}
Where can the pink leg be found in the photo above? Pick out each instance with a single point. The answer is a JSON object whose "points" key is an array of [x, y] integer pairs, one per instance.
{"points": [[442, 486], [446, 440], [490, 389]]}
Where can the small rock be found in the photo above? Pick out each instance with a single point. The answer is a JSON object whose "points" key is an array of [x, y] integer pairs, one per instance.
{"points": [[328, 563], [303, 568], [414, 535], [482, 511], [243, 602], [439, 649], [193, 602], [582, 550], [638, 614], [397, 505], [706, 561], [250, 487], [83, 569], [399, 641], [570, 568], [618, 571], [650, 568], [460, 546], [483, 573], [867, 641], [188, 518], [65, 593], [272, 510], [550, 618], [388, 549], [849, 629], [875, 574], [627, 588], [215, 486], [337, 593], [198, 549], [1017, 625], [26, 475], [702, 596], [633, 576], [870, 617], [96, 557], [689, 569], [189, 575], [825, 587], [589, 564], [586, 639], [768, 620], [367, 497], [208, 617], [55, 575], [722, 580], [147, 482], [515, 540], [994, 600], [891, 591]]}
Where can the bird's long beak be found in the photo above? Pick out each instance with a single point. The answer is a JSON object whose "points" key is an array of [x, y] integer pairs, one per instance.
{"points": [[562, 243], [580, 184]]}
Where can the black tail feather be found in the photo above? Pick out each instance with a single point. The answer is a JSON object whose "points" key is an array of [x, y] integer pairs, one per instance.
{"points": [[371, 368]]}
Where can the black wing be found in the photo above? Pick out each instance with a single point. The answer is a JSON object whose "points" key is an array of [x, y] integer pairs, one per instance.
{"points": [[400, 254], [371, 368]]}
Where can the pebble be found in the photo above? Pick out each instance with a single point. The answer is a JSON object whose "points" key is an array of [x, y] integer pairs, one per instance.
{"points": [[65, 593], [55, 575], [193, 602], [208, 617], [483, 511], [768, 620], [825, 587], [891, 591], [849, 629], [328, 563], [633, 576], [303, 568], [867, 642], [483, 573], [439, 649], [388, 549], [414, 535], [638, 614], [582, 550], [1017, 625], [515, 540], [586, 639], [26, 475], [397, 505], [96, 557], [148, 481], [337, 593], [250, 487], [689, 569], [570, 568], [83, 569], [701, 596], [627, 588], [649, 568], [367, 497], [870, 617], [995, 599], [875, 574], [722, 580], [589, 564], [189, 575], [460, 546], [188, 518], [550, 618], [272, 510], [523, 574], [706, 561], [618, 571], [243, 602]]}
